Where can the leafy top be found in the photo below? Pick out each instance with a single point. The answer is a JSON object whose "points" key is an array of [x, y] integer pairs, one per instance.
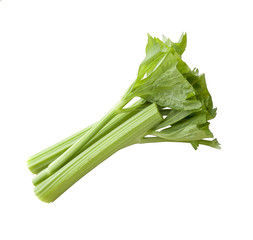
{"points": [[165, 79]]}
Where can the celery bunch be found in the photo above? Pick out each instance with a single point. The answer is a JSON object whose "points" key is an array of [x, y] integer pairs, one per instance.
{"points": [[174, 106]]}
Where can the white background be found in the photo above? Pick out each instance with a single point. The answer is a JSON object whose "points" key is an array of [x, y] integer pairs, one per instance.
{"points": [[63, 64]]}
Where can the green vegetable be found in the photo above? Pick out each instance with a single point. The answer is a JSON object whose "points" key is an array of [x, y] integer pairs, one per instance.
{"points": [[174, 106], [41, 160], [128, 133]]}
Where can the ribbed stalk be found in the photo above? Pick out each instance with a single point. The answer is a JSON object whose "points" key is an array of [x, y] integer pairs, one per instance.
{"points": [[41, 160], [124, 135], [152, 140]]}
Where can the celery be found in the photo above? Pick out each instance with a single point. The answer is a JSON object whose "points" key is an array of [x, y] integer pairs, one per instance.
{"points": [[166, 87], [128, 133], [41, 160]]}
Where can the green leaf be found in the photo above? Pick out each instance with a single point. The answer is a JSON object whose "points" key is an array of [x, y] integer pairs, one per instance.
{"points": [[199, 84], [213, 143], [192, 132], [174, 116], [195, 118], [167, 87], [180, 46], [155, 51], [190, 129]]}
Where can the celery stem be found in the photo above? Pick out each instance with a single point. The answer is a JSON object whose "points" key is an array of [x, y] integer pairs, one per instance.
{"points": [[124, 135], [77, 146]]}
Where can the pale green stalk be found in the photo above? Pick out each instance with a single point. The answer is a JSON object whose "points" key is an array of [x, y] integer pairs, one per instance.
{"points": [[41, 160], [79, 145], [129, 132]]}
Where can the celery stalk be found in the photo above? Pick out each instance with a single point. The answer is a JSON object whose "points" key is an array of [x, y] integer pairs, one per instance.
{"points": [[41, 160], [129, 132]]}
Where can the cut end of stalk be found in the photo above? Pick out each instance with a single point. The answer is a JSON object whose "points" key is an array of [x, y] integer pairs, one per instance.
{"points": [[38, 162], [41, 198], [41, 176], [34, 167], [30, 165]]}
